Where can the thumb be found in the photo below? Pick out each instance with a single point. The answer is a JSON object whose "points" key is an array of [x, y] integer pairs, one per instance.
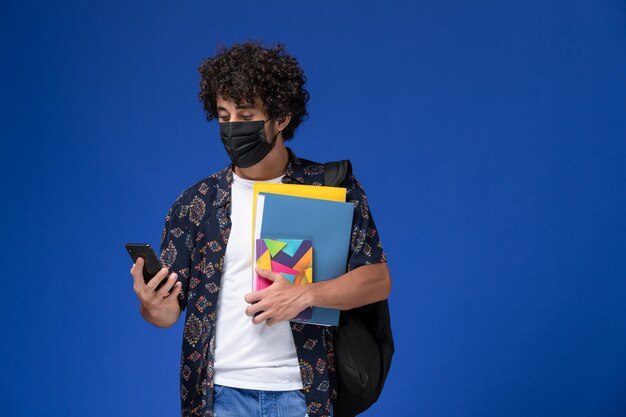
{"points": [[267, 274], [137, 269]]}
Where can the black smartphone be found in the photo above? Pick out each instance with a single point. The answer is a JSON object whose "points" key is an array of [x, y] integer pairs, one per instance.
{"points": [[152, 264]]}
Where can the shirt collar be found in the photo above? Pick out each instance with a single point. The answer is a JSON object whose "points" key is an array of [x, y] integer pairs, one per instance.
{"points": [[294, 174]]}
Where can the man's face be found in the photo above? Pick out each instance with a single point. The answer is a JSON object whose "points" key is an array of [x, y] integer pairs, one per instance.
{"points": [[230, 111], [245, 148]]}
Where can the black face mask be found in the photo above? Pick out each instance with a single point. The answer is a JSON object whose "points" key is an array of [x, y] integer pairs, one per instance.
{"points": [[245, 142]]}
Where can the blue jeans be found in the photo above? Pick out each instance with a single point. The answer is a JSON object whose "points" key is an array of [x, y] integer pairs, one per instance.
{"points": [[239, 402]]}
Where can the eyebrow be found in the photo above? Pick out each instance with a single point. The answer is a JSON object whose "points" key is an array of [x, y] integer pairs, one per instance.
{"points": [[242, 106]]}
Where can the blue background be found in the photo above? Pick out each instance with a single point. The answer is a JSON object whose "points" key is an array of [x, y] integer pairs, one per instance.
{"points": [[490, 136]]}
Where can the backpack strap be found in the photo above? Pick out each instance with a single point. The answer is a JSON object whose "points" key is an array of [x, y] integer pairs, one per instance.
{"points": [[363, 341], [336, 172]]}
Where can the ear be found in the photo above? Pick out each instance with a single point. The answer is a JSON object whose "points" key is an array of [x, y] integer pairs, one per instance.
{"points": [[282, 123]]}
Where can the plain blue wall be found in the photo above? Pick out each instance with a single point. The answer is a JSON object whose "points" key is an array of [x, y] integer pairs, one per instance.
{"points": [[490, 136]]}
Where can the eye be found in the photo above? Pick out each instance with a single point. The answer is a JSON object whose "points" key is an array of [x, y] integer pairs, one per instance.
{"points": [[247, 116], [223, 117]]}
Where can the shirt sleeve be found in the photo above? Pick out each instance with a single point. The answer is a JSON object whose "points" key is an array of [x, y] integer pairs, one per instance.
{"points": [[176, 246], [365, 246]]}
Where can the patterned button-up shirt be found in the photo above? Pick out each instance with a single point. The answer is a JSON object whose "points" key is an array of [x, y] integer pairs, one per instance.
{"points": [[193, 245]]}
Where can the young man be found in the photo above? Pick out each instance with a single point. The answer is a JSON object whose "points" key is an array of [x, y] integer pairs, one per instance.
{"points": [[240, 354]]}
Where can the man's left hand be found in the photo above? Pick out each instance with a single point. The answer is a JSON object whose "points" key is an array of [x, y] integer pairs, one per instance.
{"points": [[279, 302]]}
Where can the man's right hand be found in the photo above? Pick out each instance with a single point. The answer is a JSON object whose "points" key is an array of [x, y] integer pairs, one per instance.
{"points": [[159, 307]]}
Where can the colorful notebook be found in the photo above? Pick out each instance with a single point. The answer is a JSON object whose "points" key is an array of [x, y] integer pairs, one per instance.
{"points": [[293, 258]]}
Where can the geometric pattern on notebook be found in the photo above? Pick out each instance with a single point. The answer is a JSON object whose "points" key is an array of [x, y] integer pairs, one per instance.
{"points": [[293, 258]]}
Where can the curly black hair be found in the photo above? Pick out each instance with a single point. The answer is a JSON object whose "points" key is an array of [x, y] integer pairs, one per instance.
{"points": [[249, 70]]}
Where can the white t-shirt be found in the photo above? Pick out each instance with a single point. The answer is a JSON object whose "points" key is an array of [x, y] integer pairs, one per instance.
{"points": [[247, 355]]}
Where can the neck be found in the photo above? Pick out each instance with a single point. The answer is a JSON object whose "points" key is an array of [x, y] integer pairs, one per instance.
{"points": [[272, 166]]}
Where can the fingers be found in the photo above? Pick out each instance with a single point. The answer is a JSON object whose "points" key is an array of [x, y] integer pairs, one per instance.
{"points": [[253, 297], [147, 292], [272, 276], [257, 311], [137, 270], [169, 284], [178, 287], [261, 318], [255, 308], [156, 280], [261, 306]]}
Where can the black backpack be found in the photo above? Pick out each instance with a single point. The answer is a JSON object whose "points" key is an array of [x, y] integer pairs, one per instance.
{"points": [[363, 340]]}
